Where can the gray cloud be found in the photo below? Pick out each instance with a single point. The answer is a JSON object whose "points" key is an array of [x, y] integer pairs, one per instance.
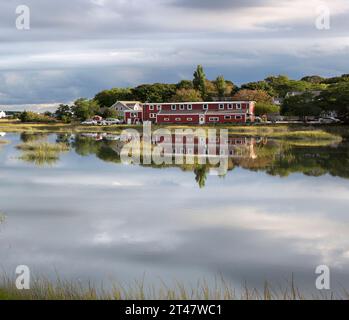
{"points": [[220, 4], [76, 48]]}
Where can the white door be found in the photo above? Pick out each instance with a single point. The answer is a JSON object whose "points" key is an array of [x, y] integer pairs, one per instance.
{"points": [[202, 120]]}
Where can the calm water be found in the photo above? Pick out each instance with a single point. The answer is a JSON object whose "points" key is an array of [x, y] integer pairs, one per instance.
{"points": [[281, 209]]}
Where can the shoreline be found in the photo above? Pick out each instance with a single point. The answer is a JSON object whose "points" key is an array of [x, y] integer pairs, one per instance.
{"points": [[277, 131]]}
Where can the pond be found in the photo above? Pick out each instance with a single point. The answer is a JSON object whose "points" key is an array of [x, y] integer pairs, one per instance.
{"points": [[79, 212]]}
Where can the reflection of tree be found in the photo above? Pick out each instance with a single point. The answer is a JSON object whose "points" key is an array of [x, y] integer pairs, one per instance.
{"points": [[103, 149], [106, 153], [31, 137], [275, 157], [2, 217], [85, 146], [281, 158], [63, 138], [201, 175]]}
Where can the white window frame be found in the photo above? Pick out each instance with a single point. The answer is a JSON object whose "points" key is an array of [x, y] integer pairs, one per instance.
{"points": [[151, 108], [174, 107], [159, 107], [238, 106], [166, 119], [221, 106], [182, 107], [205, 106], [238, 117], [230, 106], [190, 107], [189, 119], [153, 115], [213, 119], [227, 117], [178, 119]]}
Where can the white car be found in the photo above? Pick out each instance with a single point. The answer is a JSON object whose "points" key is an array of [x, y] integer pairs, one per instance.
{"points": [[329, 120], [112, 121], [89, 123]]}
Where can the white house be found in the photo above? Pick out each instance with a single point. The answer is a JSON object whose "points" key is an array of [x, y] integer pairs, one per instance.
{"points": [[2, 114], [122, 106]]}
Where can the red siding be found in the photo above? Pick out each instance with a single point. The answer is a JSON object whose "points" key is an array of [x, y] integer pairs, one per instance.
{"points": [[222, 119], [135, 117], [151, 111], [190, 118]]}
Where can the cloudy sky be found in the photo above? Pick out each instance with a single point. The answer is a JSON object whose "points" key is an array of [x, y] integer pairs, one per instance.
{"points": [[75, 48]]}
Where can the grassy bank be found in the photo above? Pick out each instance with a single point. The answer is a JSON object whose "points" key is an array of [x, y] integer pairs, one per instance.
{"points": [[292, 132], [45, 290]]}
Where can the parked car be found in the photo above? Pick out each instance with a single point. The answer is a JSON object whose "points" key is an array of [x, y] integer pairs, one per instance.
{"points": [[329, 120], [111, 121], [89, 123]]}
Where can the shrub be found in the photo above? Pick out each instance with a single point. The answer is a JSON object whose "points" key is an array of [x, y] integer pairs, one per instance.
{"points": [[28, 116]]}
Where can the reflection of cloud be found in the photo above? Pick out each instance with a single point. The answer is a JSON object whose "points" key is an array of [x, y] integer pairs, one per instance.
{"points": [[85, 180], [317, 235]]}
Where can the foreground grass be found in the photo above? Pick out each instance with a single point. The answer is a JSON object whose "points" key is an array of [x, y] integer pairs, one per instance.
{"points": [[60, 290]]}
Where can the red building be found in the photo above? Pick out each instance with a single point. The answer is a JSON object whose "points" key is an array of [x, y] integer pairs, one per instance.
{"points": [[199, 112], [133, 116]]}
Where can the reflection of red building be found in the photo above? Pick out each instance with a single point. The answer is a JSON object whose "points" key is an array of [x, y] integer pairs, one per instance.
{"points": [[199, 112], [195, 145]]}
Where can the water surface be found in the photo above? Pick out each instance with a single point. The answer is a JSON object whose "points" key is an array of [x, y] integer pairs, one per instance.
{"points": [[282, 208]]}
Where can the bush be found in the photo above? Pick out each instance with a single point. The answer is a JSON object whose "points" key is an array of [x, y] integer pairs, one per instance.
{"points": [[28, 116], [263, 108]]}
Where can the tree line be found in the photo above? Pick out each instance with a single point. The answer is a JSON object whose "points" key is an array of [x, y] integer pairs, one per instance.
{"points": [[315, 94]]}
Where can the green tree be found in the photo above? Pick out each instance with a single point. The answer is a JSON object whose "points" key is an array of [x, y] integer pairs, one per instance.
{"points": [[252, 95], [107, 98], [64, 113], [301, 105], [185, 84], [186, 95], [221, 86], [336, 98], [157, 92], [85, 109], [199, 81], [313, 79], [334, 80], [109, 113], [29, 116], [263, 108], [260, 85]]}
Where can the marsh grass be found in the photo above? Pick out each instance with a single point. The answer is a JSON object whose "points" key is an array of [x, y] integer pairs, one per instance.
{"points": [[42, 153], [307, 135], [43, 147], [44, 289]]}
